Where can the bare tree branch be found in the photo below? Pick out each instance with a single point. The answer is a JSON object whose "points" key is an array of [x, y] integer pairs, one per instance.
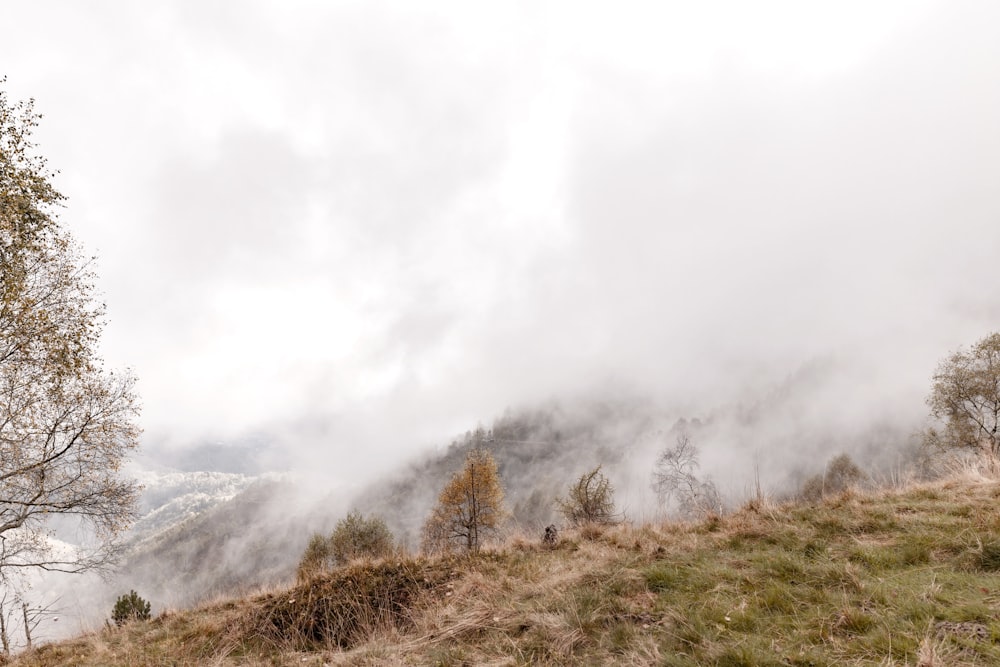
{"points": [[66, 425]]}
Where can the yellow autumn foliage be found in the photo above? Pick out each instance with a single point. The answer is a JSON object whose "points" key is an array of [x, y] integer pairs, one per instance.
{"points": [[469, 509]]}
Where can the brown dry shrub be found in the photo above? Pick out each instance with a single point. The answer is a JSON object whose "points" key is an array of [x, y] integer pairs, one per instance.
{"points": [[590, 500], [346, 607]]}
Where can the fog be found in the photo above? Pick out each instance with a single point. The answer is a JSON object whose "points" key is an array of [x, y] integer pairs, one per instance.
{"points": [[386, 223], [350, 231]]}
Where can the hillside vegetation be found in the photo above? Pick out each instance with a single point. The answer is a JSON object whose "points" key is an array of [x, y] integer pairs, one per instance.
{"points": [[902, 577], [540, 450], [208, 535]]}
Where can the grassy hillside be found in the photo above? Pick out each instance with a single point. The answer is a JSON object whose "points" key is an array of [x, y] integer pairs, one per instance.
{"points": [[257, 536], [908, 577]]}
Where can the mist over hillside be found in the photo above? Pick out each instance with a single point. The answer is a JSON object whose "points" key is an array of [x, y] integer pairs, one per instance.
{"points": [[342, 244], [900, 575], [203, 534], [775, 439]]}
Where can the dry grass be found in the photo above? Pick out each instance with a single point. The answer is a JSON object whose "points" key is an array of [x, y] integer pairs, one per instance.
{"points": [[894, 577], [344, 608]]}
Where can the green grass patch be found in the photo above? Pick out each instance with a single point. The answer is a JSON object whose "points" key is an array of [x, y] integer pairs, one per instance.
{"points": [[663, 577]]}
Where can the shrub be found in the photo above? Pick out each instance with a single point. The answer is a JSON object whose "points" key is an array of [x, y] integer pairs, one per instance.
{"points": [[354, 537], [590, 500], [128, 608], [357, 537], [315, 559], [841, 474], [347, 608]]}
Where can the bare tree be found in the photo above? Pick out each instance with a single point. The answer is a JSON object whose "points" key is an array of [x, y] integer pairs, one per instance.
{"points": [[13, 608], [66, 424], [965, 400], [674, 479]]}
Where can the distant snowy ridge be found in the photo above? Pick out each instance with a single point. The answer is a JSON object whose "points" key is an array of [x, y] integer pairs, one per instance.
{"points": [[171, 498]]}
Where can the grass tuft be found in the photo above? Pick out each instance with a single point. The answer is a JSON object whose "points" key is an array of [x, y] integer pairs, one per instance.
{"points": [[988, 556]]}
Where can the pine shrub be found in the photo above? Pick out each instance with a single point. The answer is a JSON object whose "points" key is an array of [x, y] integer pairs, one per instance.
{"points": [[128, 608]]}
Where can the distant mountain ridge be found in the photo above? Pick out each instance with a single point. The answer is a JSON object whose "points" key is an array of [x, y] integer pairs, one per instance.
{"points": [[169, 498]]}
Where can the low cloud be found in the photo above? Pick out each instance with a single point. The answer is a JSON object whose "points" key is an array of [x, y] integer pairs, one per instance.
{"points": [[363, 229]]}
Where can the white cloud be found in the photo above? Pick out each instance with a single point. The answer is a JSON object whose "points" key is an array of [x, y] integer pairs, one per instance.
{"points": [[416, 215]]}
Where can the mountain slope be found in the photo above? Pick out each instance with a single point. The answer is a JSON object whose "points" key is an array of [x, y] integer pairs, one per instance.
{"points": [[892, 578]]}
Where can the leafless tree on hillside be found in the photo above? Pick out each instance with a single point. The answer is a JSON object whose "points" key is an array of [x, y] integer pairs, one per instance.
{"points": [[674, 479]]}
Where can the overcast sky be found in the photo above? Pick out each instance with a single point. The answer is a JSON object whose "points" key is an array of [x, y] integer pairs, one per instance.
{"points": [[391, 220]]}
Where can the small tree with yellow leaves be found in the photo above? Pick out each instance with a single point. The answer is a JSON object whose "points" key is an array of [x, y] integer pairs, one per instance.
{"points": [[469, 508]]}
